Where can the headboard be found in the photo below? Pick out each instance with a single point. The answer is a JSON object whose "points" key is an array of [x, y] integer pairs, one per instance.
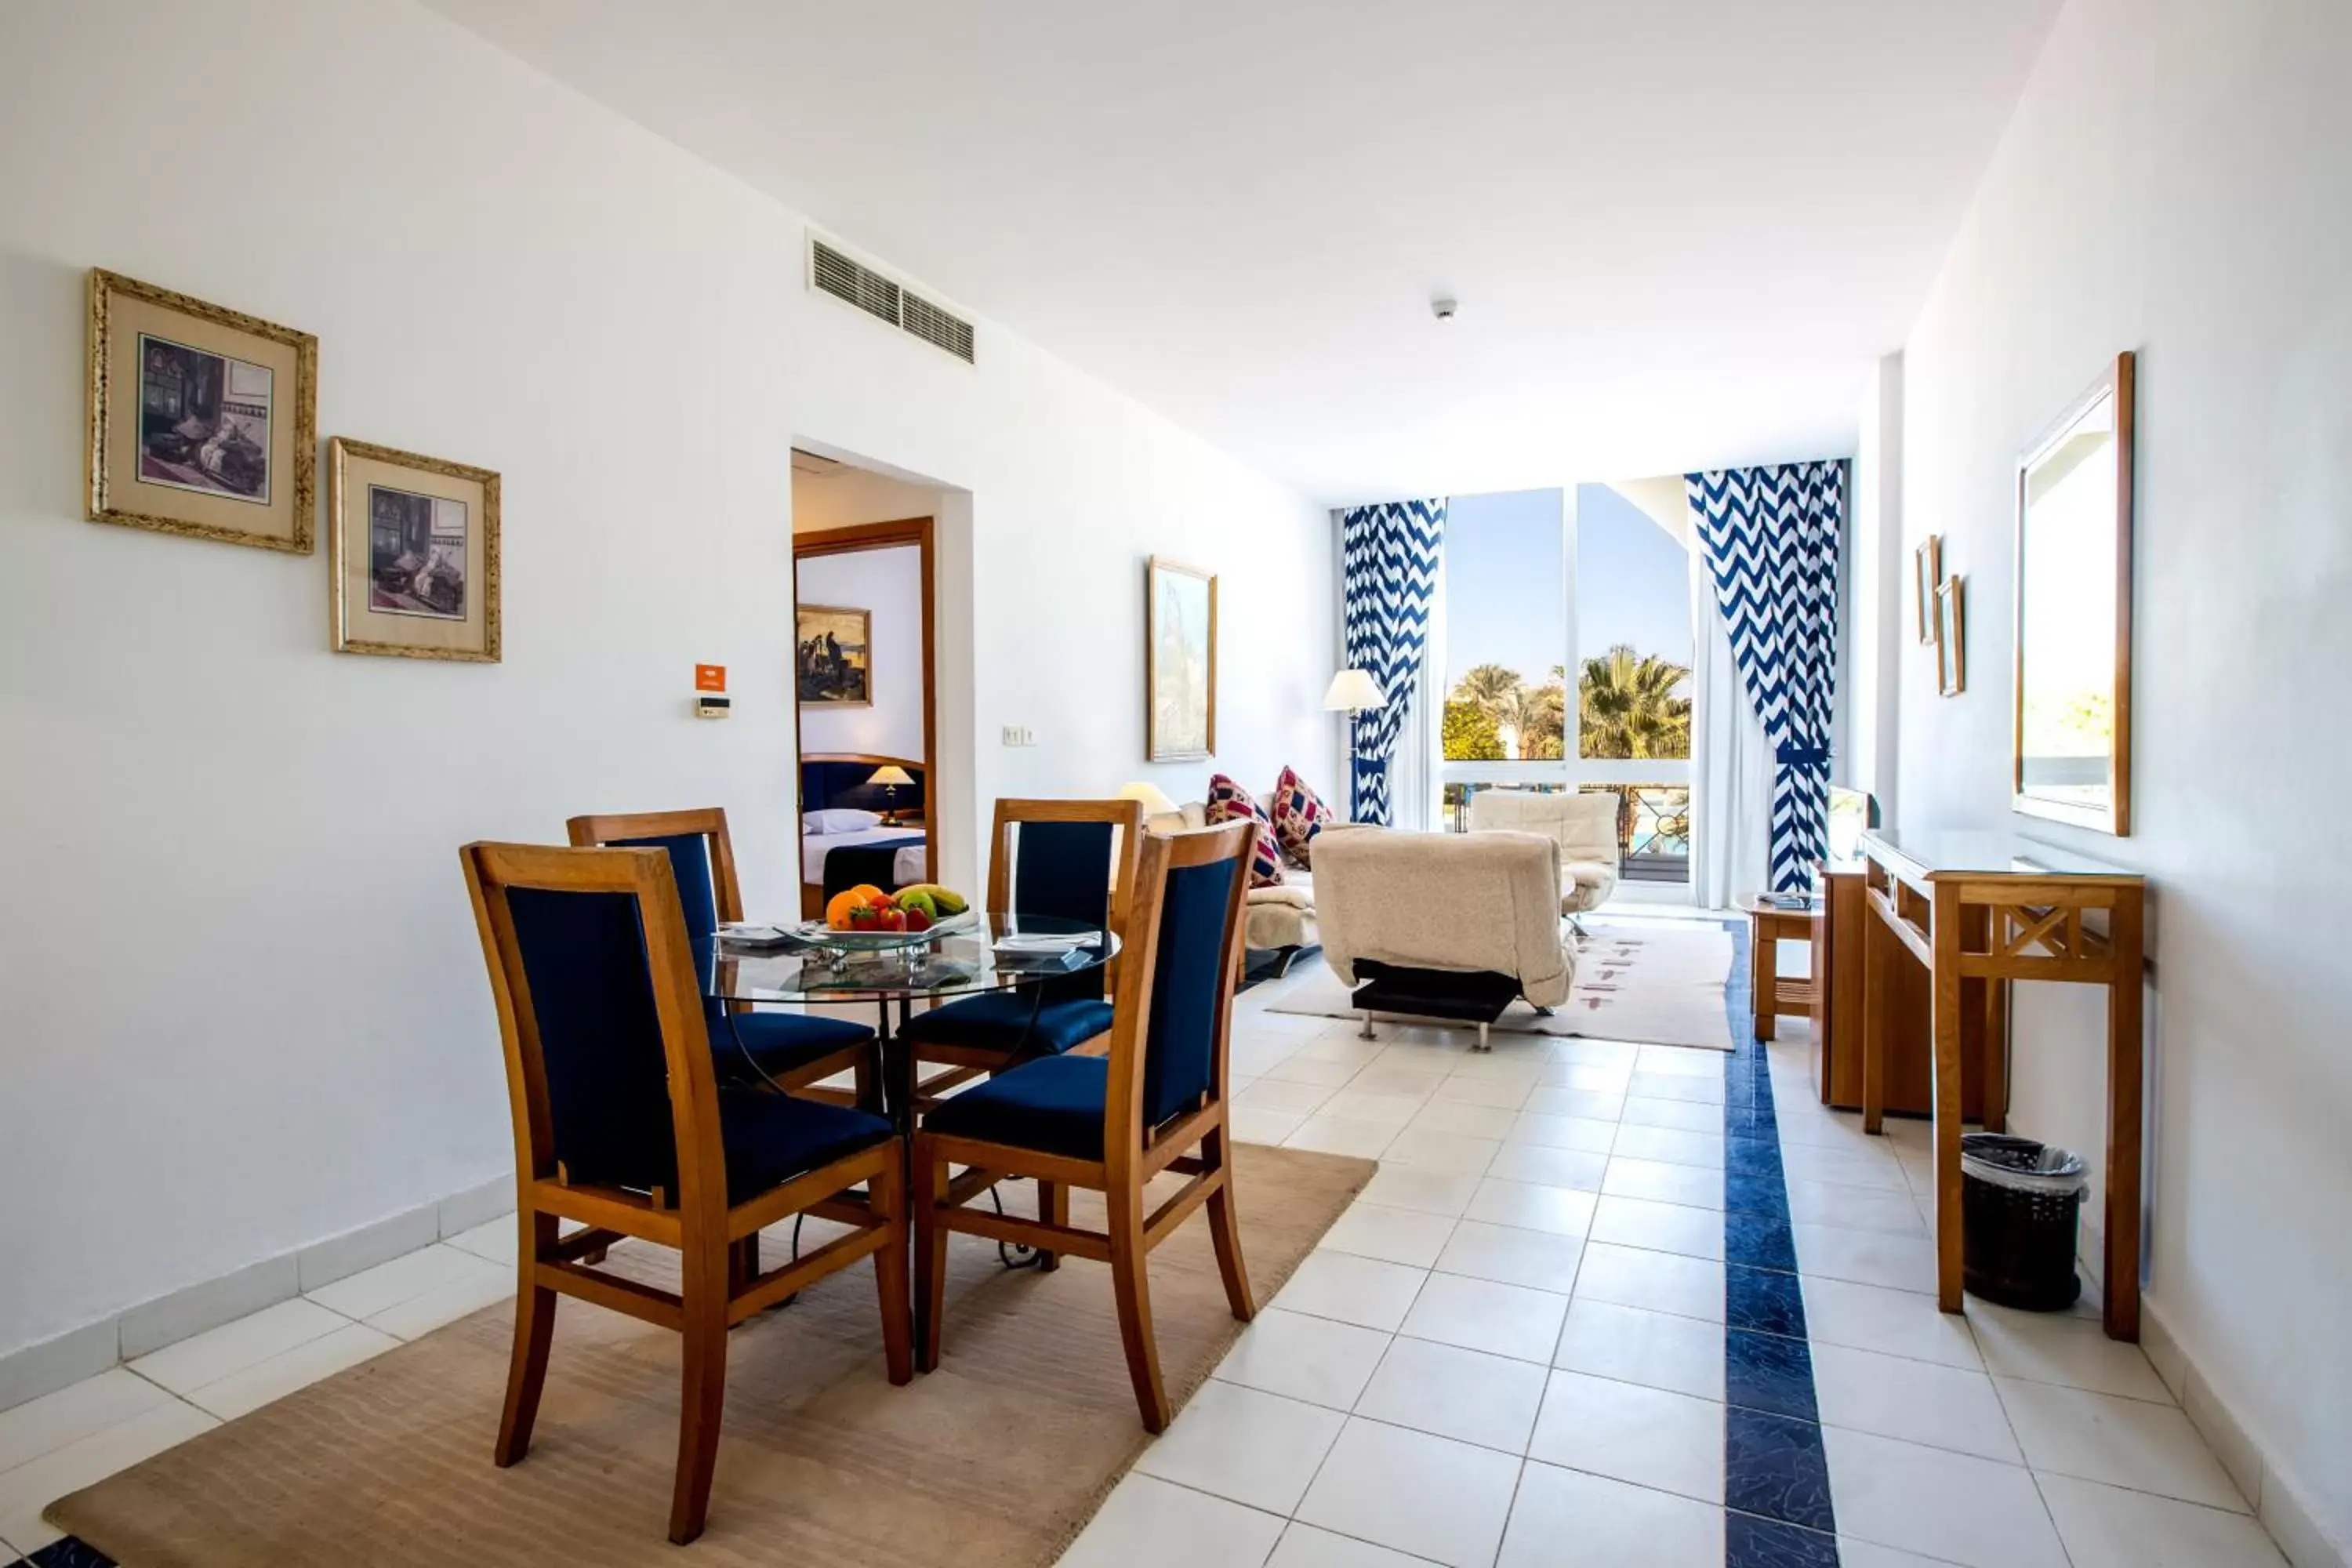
{"points": [[830, 779]]}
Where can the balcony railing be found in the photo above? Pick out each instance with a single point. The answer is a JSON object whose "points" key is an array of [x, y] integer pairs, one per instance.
{"points": [[1653, 826]]}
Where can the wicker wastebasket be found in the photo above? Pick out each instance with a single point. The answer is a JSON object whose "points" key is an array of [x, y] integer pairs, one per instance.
{"points": [[2021, 1203]]}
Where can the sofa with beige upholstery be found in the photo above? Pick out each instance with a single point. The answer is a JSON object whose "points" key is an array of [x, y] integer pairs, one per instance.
{"points": [[1279, 920], [1444, 925], [1584, 826]]}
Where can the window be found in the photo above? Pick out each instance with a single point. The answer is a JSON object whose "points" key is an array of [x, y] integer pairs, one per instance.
{"points": [[1595, 581]]}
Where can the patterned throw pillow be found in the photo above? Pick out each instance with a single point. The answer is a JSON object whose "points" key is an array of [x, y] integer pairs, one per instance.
{"points": [[1228, 802], [1299, 814]]}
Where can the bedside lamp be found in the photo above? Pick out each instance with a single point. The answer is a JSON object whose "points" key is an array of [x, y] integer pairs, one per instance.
{"points": [[1352, 691], [890, 775], [1154, 799]]}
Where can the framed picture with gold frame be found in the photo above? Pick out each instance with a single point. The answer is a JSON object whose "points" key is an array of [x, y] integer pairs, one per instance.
{"points": [[204, 421], [1180, 662], [1926, 572], [1952, 637], [413, 554]]}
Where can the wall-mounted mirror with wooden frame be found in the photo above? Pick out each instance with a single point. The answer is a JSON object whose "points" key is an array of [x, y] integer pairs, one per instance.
{"points": [[2072, 726]]}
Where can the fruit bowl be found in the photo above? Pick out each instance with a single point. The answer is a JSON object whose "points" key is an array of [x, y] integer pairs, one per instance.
{"points": [[816, 933]]}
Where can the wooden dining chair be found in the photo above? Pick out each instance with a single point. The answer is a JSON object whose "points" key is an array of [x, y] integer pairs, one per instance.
{"points": [[789, 1051], [1112, 1123], [620, 1124], [1071, 860]]}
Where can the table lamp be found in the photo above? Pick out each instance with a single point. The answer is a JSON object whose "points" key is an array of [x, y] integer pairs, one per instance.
{"points": [[1155, 799], [1353, 690], [890, 775]]}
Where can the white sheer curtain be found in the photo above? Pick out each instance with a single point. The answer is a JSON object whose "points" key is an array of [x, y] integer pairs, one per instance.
{"points": [[1417, 772], [1731, 764]]}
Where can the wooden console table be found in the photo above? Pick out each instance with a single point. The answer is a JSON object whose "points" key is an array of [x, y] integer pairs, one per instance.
{"points": [[1979, 911]]}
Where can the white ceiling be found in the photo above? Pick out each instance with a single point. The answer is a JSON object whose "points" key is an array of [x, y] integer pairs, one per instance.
{"points": [[1679, 232]]}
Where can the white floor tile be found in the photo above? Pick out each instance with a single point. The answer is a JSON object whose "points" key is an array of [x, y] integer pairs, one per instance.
{"points": [[1655, 1348], [1661, 1227], [1563, 1132], [1578, 1168], [1306, 1067], [1689, 1116], [1942, 1406], [1495, 1093], [388, 1285], [1690, 1186], [494, 1240], [41, 1425], [1429, 1497], [1333, 1135], [1274, 1092], [1245, 1445], [1811, 1125], [1255, 1056], [1340, 1044], [2107, 1527], [1148, 1523], [214, 1354], [1586, 1076], [1585, 1102], [1318, 1360], [1852, 1553], [31, 1487], [1659, 1281], [1441, 1150], [1867, 1257], [1671, 1145], [438, 1308], [1893, 1322], [1855, 1208], [1846, 1167], [282, 1375], [1677, 1086], [1304, 1546], [1560, 1211], [1646, 1436], [1360, 1290], [1465, 1395], [2123, 1442], [1484, 1315], [1512, 1256], [1394, 1234], [1446, 1193], [1268, 1127], [1599, 1053], [2055, 1347], [1463, 1119], [1521, 1067], [1687, 1061], [1954, 1507], [1352, 1104], [1391, 1076], [1567, 1519]]}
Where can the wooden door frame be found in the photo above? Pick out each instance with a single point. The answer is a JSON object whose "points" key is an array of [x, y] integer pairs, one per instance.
{"points": [[917, 531]]}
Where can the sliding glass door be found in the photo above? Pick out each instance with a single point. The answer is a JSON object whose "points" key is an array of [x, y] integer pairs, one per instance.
{"points": [[1568, 651]]}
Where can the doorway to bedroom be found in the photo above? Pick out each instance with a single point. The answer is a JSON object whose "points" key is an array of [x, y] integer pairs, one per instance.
{"points": [[864, 709]]}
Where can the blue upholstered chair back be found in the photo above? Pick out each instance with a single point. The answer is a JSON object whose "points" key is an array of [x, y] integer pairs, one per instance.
{"points": [[1180, 1041], [591, 996], [1063, 869], [689, 862]]}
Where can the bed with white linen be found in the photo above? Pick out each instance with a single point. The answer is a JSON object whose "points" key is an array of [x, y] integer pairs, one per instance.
{"points": [[823, 832]]}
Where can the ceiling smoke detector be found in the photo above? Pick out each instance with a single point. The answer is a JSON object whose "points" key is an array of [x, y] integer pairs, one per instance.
{"points": [[1443, 308]]}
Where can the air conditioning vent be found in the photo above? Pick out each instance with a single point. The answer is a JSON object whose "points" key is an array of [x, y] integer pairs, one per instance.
{"points": [[938, 328], [855, 283]]}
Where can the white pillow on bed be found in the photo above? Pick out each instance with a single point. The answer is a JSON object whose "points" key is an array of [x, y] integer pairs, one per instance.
{"points": [[840, 820]]}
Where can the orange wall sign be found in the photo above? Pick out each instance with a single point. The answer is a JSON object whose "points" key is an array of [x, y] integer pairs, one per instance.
{"points": [[710, 677]]}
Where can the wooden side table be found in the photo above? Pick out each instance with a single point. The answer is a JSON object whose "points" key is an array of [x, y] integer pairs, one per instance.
{"points": [[1769, 925]]}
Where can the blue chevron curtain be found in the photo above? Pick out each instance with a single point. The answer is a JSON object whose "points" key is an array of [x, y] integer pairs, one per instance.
{"points": [[1388, 562], [1772, 541]]}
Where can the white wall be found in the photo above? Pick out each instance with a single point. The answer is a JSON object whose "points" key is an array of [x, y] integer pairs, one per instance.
{"points": [[1876, 611], [847, 496], [2175, 182], [889, 583], [245, 1006]]}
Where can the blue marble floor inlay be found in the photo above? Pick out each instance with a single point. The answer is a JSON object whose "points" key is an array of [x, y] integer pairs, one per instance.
{"points": [[1776, 1473], [69, 1552]]}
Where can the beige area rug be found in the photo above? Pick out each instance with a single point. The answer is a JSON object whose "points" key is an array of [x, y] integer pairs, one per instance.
{"points": [[1660, 982], [994, 1461]]}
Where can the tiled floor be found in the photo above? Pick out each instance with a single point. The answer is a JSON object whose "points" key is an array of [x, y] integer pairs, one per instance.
{"points": [[1523, 1346]]}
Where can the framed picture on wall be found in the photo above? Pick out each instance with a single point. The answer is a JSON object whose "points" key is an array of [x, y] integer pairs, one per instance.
{"points": [[1180, 662], [1926, 572], [413, 554], [1951, 636], [833, 657], [203, 421]]}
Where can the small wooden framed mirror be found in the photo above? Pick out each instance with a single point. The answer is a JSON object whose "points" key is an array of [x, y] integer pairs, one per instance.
{"points": [[2072, 757]]}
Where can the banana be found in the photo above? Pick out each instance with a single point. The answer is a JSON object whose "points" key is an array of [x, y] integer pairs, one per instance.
{"points": [[949, 901]]}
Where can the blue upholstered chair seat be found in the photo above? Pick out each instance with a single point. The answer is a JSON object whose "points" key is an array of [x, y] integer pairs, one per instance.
{"points": [[779, 1042], [999, 1021], [1053, 1105], [772, 1138]]}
